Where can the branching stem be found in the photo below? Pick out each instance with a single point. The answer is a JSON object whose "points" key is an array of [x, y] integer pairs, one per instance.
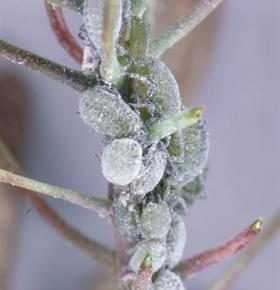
{"points": [[99, 205], [198, 263], [62, 32], [184, 26], [225, 280], [64, 75]]}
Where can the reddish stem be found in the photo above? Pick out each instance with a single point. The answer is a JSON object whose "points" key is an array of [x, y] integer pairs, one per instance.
{"points": [[143, 279], [64, 36], [198, 263]]}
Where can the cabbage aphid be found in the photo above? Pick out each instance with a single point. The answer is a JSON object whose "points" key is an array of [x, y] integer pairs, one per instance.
{"points": [[175, 241], [163, 91], [156, 249], [127, 220], [194, 156], [108, 114], [151, 175], [167, 280], [155, 220], [121, 161]]}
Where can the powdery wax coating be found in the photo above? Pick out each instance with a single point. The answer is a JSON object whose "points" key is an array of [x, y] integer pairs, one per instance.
{"points": [[166, 95], [175, 241], [93, 20], [196, 148], [126, 220], [151, 175], [121, 161], [156, 249], [167, 280], [108, 114], [155, 220]]}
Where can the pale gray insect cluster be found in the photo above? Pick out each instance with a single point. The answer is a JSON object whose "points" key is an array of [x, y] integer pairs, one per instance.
{"points": [[155, 180]]}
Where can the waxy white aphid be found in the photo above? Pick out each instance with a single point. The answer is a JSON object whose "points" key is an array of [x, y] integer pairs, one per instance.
{"points": [[195, 154], [156, 249], [151, 175], [194, 189], [167, 280], [108, 114], [126, 219], [139, 7], [155, 220], [121, 161], [175, 241], [165, 94], [93, 20]]}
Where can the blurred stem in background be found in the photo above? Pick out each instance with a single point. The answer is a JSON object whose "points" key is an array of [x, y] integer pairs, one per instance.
{"points": [[13, 104]]}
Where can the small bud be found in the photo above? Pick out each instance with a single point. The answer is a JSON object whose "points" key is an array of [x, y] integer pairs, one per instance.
{"points": [[151, 176], [155, 221], [167, 280], [178, 122], [156, 249], [175, 241], [108, 114], [121, 161]]}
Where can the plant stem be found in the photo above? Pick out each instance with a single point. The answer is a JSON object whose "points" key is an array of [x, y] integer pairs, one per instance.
{"points": [[100, 253], [198, 263], [240, 264], [99, 205], [183, 27], [64, 75], [110, 67], [63, 35], [75, 5], [143, 280]]}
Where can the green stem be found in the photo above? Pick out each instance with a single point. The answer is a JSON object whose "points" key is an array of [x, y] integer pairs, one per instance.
{"points": [[100, 205], [183, 27], [64, 75], [110, 67], [225, 280], [75, 5], [178, 122]]}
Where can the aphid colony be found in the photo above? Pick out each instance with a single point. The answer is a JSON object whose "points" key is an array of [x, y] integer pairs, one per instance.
{"points": [[154, 154]]}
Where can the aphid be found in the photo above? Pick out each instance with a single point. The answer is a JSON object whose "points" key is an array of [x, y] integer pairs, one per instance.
{"points": [[194, 189], [108, 114], [126, 219], [194, 157], [156, 249], [155, 221], [163, 91], [175, 241], [167, 280], [151, 175], [121, 161], [93, 20], [138, 7]]}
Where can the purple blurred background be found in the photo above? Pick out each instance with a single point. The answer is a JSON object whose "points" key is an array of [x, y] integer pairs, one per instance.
{"points": [[240, 91]]}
